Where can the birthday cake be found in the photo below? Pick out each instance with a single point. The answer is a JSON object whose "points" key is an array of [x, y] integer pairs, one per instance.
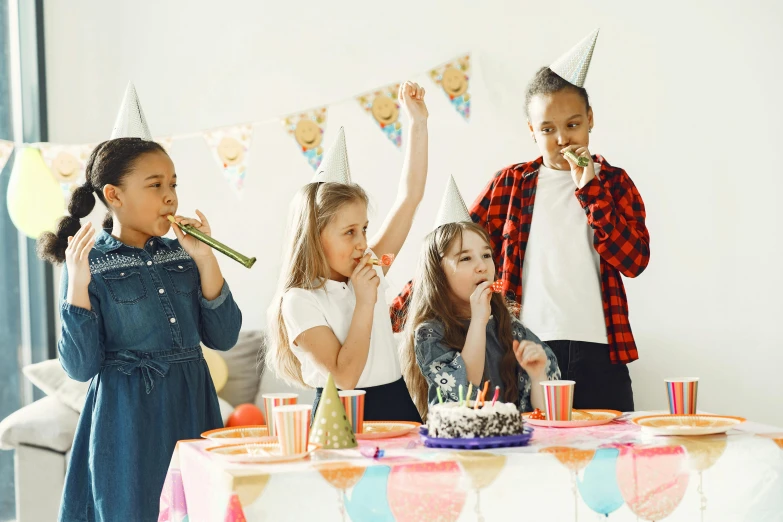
{"points": [[452, 421]]}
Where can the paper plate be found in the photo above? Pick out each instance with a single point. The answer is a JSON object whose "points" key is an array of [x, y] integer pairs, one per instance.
{"points": [[244, 434], [386, 429], [580, 419], [687, 424], [257, 453]]}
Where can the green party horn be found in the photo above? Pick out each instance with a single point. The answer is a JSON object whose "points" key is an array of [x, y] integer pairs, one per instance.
{"points": [[214, 243], [581, 161]]}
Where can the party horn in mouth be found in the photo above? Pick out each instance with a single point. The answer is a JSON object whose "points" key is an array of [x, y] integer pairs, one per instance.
{"points": [[385, 260], [581, 161], [214, 243]]}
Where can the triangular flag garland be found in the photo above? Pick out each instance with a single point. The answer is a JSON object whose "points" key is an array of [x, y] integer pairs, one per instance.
{"points": [[6, 148], [573, 65], [454, 79], [334, 167], [452, 207], [384, 106], [130, 122], [230, 146], [331, 427], [66, 163], [307, 129]]}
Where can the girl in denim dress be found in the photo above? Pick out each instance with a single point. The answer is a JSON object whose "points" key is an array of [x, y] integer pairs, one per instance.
{"points": [[134, 308]]}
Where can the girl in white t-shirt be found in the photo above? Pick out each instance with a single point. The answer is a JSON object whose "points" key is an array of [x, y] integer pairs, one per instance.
{"points": [[328, 316]]}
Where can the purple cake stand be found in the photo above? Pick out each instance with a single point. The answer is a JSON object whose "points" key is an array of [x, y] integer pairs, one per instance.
{"points": [[476, 443]]}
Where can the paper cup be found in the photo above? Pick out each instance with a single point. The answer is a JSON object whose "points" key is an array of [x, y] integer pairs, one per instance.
{"points": [[353, 402], [558, 399], [271, 401], [293, 427], [682, 394]]}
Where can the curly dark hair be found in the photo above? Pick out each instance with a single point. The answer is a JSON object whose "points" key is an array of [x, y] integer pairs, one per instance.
{"points": [[547, 82], [109, 163]]}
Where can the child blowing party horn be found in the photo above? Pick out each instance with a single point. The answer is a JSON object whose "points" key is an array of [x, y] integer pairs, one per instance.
{"points": [[214, 243], [385, 260]]}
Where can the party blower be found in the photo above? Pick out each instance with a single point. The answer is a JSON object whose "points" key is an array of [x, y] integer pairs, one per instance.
{"points": [[214, 243]]}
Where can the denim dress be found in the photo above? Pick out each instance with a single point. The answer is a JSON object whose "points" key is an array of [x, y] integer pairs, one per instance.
{"points": [[150, 384], [444, 368]]}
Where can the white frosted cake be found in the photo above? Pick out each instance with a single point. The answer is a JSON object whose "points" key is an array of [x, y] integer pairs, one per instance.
{"points": [[452, 421]]}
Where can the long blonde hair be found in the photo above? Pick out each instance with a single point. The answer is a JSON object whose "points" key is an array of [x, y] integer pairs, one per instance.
{"points": [[304, 265], [432, 299]]}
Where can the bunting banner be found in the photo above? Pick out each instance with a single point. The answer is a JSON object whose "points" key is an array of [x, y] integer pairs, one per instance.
{"points": [[307, 129], [454, 78], [6, 148], [384, 106], [67, 164], [230, 146]]}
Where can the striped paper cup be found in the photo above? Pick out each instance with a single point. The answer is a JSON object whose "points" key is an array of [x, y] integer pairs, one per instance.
{"points": [[271, 401], [682, 394], [353, 402], [293, 427], [558, 399]]}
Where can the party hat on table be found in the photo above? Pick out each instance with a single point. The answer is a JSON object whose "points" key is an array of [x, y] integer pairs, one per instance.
{"points": [[334, 166], [573, 65], [130, 122], [452, 206], [331, 427]]}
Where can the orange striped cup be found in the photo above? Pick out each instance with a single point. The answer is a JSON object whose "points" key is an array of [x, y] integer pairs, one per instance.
{"points": [[682, 395], [558, 399], [353, 402], [271, 401], [293, 427]]}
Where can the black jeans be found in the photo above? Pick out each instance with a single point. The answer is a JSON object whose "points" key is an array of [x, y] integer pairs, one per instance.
{"points": [[600, 384]]}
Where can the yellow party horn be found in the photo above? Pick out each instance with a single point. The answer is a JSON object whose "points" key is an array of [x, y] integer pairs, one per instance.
{"points": [[214, 243]]}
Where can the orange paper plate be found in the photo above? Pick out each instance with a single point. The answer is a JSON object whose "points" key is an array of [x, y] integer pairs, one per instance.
{"points": [[257, 453], [687, 424], [386, 429], [244, 434], [580, 419]]}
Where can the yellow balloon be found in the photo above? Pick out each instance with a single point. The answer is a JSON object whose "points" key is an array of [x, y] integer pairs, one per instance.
{"points": [[217, 368], [35, 199]]}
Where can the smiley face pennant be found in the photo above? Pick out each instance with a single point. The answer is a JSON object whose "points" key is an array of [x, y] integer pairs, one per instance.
{"points": [[454, 79], [307, 129], [384, 107], [67, 164], [230, 146]]}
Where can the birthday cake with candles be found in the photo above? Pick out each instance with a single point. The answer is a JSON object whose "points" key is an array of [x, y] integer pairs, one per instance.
{"points": [[451, 420]]}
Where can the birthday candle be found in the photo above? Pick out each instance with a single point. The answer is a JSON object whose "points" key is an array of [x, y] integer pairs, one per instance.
{"points": [[460, 395], [497, 394], [484, 392], [440, 396], [470, 392], [478, 396]]}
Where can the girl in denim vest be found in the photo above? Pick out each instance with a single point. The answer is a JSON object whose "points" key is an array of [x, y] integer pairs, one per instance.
{"points": [[135, 307]]}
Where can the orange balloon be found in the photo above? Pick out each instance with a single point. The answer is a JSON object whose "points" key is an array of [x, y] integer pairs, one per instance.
{"points": [[245, 415]]}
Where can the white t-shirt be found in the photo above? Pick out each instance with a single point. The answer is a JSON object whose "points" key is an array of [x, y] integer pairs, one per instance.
{"points": [[561, 275], [333, 306]]}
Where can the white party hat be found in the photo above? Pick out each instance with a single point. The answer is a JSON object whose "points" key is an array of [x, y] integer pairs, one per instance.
{"points": [[573, 65], [334, 165], [130, 122], [452, 207]]}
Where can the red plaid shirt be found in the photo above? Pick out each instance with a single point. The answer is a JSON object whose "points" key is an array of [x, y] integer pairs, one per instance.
{"points": [[614, 210]]}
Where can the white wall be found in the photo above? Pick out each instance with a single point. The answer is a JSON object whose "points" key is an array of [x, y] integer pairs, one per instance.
{"points": [[686, 99]]}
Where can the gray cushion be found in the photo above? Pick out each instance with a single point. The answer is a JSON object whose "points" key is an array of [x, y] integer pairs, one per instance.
{"points": [[244, 371], [47, 423]]}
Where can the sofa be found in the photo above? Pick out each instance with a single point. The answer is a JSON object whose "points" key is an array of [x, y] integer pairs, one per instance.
{"points": [[41, 433]]}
